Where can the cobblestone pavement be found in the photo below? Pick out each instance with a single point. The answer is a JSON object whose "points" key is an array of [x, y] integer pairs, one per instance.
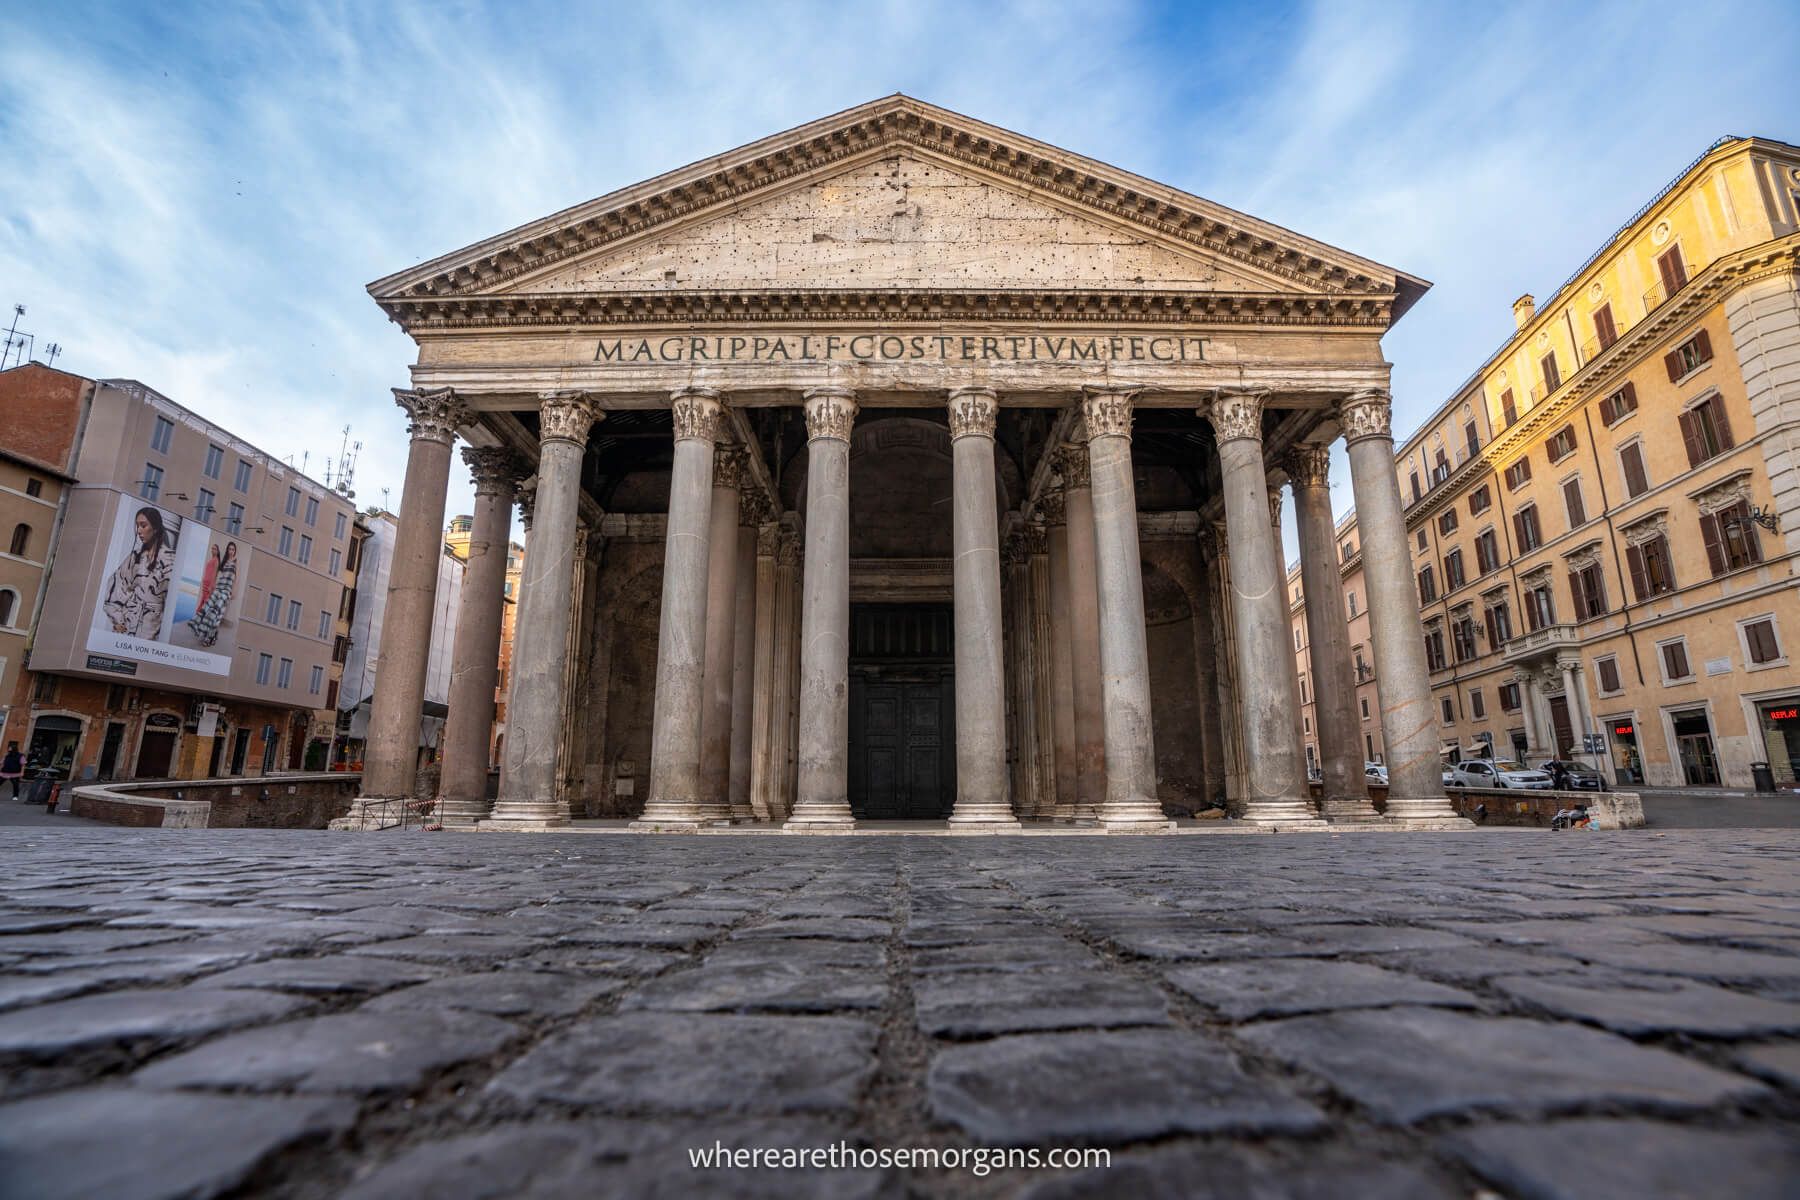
{"points": [[392, 1015]]}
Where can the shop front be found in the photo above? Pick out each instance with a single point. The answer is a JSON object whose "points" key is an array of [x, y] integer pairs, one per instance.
{"points": [[1779, 723], [1622, 742]]}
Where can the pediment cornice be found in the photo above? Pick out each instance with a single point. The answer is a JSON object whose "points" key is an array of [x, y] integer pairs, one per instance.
{"points": [[1308, 268]]}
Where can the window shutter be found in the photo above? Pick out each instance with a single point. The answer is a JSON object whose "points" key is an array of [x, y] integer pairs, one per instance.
{"points": [[1628, 397], [1690, 438], [1519, 529], [1717, 404], [1715, 552], [1609, 674], [1577, 594], [1640, 577], [1631, 458], [1672, 360], [1577, 510], [1703, 346], [1507, 408]]}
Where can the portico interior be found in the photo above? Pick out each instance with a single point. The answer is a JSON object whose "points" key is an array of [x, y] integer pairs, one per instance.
{"points": [[901, 466]]}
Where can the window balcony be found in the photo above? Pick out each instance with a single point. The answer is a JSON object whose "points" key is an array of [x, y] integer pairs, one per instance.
{"points": [[1540, 642]]}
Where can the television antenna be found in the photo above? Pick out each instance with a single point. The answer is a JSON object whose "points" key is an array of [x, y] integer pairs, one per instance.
{"points": [[346, 467], [12, 337]]}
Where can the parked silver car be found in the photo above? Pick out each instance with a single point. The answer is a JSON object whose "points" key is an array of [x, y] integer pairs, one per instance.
{"points": [[1500, 773]]}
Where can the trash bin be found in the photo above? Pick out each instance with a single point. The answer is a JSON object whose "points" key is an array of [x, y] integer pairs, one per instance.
{"points": [[1764, 778]]}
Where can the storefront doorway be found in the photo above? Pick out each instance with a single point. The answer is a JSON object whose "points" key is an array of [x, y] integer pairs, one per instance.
{"points": [[53, 744], [902, 712], [1621, 735], [1694, 746], [1780, 720], [109, 750]]}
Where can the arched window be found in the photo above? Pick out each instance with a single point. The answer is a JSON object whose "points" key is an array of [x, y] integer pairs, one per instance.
{"points": [[9, 600], [21, 538]]}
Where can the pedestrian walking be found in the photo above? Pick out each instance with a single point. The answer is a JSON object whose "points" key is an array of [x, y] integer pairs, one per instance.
{"points": [[12, 768]]}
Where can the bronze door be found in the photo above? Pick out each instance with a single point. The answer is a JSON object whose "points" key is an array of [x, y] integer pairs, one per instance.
{"points": [[902, 742]]}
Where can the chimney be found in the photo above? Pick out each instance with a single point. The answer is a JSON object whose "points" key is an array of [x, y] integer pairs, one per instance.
{"points": [[1524, 308]]}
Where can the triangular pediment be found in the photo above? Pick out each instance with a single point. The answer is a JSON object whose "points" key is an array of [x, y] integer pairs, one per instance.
{"points": [[899, 195]]}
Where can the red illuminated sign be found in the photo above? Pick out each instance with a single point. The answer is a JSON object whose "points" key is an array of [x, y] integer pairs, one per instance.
{"points": [[1624, 730], [1783, 714]]}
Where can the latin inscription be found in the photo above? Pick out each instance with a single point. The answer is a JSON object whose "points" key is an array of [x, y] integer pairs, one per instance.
{"points": [[893, 347]]}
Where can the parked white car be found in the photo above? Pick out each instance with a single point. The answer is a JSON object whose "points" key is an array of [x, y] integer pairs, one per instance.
{"points": [[1375, 772], [1500, 773]]}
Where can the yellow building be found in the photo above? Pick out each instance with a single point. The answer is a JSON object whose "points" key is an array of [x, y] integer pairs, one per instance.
{"points": [[456, 537], [1605, 517]]}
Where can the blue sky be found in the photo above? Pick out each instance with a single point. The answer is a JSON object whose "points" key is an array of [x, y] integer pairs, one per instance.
{"points": [[196, 195]]}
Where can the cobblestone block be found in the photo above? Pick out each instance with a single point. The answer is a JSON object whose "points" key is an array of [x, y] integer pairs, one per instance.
{"points": [[980, 1003], [156, 1017], [505, 993], [1632, 1160], [1287, 986], [1637, 1004]]}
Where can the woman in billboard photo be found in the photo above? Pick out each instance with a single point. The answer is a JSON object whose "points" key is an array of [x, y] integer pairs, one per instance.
{"points": [[211, 577], [140, 586], [217, 595]]}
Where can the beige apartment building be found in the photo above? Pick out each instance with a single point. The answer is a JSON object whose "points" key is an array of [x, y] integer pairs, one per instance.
{"points": [[189, 619], [1604, 519], [457, 536]]}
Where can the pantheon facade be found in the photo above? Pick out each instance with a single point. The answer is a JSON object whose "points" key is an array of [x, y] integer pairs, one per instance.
{"points": [[901, 467]]}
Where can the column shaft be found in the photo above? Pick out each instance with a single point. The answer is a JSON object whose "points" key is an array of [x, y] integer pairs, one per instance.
{"points": [[1408, 717], [1345, 788], [475, 655], [764, 701], [743, 664], [721, 642], [677, 799], [1042, 683], [534, 715], [1131, 804], [1274, 763], [1206, 678], [821, 802], [1084, 635], [1062, 668]]}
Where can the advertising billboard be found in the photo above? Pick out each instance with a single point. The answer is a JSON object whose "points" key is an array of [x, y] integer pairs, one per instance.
{"points": [[172, 592]]}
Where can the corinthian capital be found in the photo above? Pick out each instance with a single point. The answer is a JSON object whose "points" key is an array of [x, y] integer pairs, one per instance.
{"points": [[697, 413], [433, 414], [495, 470], [566, 417], [972, 412], [1309, 465], [1107, 414], [1366, 414], [1050, 503], [728, 465], [1236, 414], [830, 411], [1072, 464]]}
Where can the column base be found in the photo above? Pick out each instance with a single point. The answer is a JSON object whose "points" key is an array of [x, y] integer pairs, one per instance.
{"points": [[1427, 812], [680, 816], [370, 813], [991, 816], [1349, 810], [1136, 814], [525, 816], [462, 815], [827, 818], [1283, 812]]}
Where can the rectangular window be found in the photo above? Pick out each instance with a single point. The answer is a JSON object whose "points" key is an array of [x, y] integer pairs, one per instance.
{"points": [[34, 487], [150, 486], [1730, 538], [242, 480], [1518, 473], [1480, 500], [1416, 493], [305, 549], [285, 676], [1540, 606], [1705, 431], [1365, 708], [1453, 571], [1606, 332], [1449, 710], [293, 502], [1607, 671], [264, 664], [1440, 469], [1672, 270], [1588, 587], [1675, 661], [1434, 650], [294, 610], [1477, 705], [1631, 466], [1526, 529], [342, 521], [1651, 571], [1509, 409], [204, 507], [1462, 640], [337, 561], [312, 510], [1509, 697], [1472, 438], [1759, 641], [1353, 604], [1427, 586], [1572, 502], [1499, 623], [1552, 373], [1618, 405], [1561, 444], [324, 623], [286, 548], [273, 614], [1487, 552], [1423, 541], [234, 519], [161, 434], [215, 461], [1688, 357], [317, 683], [1447, 522]]}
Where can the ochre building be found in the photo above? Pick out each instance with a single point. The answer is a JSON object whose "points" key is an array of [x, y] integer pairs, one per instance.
{"points": [[1604, 520], [896, 467]]}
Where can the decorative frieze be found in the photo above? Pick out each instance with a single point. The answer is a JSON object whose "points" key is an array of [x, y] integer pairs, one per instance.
{"points": [[972, 412], [830, 412], [566, 416], [432, 414], [1107, 414], [1724, 494], [1309, 466], [1366, 414], [1236, 414], [1583, 556], [697, 413], [1654, 526], [495, 470]]}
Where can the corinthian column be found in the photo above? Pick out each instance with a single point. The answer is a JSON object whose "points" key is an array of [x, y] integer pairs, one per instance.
{"points": [[391, 759], [1083, 634], [1131, 805], [752, 510], [1408, 722], [678, 799], [821, 802], [1275, 764], [534, 714], [721, 608], [1345, 789], [982, 804], [1062, 668], [475, 656]]}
